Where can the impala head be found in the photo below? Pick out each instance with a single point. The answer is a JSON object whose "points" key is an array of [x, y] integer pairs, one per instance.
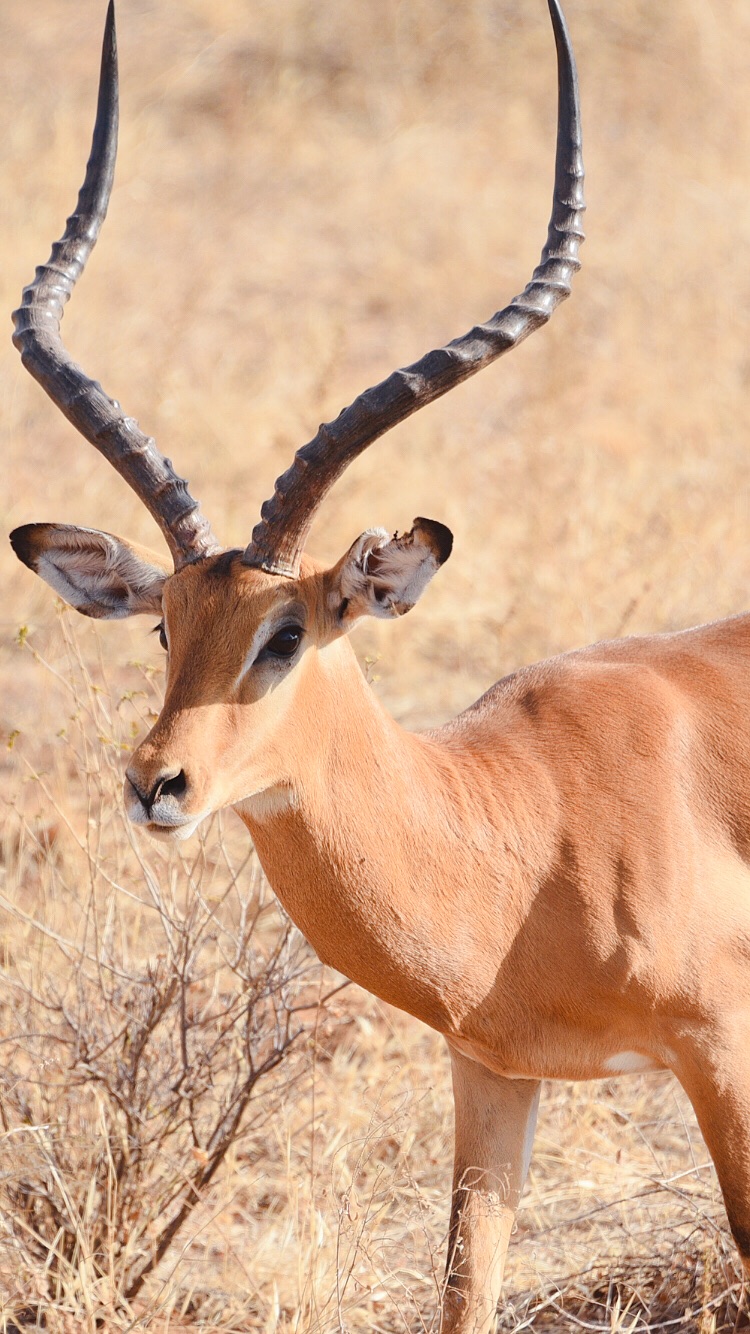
{"points": [[247, 653], [254, 636]]}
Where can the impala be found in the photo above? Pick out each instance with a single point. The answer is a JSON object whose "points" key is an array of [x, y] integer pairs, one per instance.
{"points": [[557, 880]]}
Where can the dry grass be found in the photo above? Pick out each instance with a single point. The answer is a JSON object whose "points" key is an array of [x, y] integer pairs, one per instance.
{"points": [[307, 196]]}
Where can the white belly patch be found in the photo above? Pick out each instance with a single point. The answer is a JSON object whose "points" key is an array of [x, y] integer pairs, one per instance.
{"points": [[621, 1063], [628, 1062]]}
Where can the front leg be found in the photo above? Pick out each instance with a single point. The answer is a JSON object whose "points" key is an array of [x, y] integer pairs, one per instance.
{"points": [[495, 1121]]}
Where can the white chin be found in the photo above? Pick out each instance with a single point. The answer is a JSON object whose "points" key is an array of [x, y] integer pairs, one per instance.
{"points": [[168, 833]]}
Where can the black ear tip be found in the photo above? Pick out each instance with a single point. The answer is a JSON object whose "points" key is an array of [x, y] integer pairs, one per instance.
{"points": [[438, 536], [22, 542]]}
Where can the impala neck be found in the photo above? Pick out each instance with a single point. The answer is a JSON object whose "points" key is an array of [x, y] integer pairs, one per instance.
{"points": [[375, 855]]}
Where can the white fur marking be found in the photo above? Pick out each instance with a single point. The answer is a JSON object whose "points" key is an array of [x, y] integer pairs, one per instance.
{"points": [[50, 570], [259, 639], [406, 570], [89, 570], [172, 833], [395, 582], [267, 803], [629, 1062]]}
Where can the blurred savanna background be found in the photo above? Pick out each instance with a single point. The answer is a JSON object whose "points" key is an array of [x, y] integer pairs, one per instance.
{"points": [[308, 196]]}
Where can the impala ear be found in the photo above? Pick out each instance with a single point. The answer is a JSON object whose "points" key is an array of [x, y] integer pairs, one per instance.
{"points": [[382, 576], [98, 574]]}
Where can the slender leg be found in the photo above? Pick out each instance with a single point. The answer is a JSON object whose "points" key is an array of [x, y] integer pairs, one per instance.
{"points": [[495, 1122], [716, 1078]]}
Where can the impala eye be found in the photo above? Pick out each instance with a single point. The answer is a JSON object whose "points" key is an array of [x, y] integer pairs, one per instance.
{"points": [[285, 642], [161, 632]]}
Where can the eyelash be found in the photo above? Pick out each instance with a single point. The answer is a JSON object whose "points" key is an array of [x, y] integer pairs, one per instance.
{"points": [[161, 632]]}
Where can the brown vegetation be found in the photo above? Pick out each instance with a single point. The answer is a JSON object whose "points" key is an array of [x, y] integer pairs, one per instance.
{"points": [[307, 196]]}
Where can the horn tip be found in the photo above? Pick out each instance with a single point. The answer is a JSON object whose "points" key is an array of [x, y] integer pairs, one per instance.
{"points": [[109, 44]]}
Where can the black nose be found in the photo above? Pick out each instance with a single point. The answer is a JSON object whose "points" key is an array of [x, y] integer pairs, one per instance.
{"points": [[171, 783]]}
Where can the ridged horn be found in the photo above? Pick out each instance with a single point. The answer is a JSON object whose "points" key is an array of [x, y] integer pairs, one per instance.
{"points": [[83, 401], [278, 539]]}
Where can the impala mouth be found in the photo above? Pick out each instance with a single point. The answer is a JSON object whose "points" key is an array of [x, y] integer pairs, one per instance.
{"points": [[170, 833], [168, 822]]}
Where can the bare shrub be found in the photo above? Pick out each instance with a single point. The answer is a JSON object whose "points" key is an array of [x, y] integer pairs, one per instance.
{"points": [[150, 1008]]}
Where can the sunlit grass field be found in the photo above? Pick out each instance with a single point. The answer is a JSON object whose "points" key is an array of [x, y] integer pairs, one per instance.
{"points": [[308, 196]]}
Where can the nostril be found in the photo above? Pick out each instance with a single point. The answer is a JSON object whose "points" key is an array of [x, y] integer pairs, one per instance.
{"points": [[171, 787], [170, 783]]}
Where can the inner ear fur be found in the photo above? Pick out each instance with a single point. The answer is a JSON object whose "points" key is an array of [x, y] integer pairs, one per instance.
{"points": [[385, 576], [97, 573]]}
